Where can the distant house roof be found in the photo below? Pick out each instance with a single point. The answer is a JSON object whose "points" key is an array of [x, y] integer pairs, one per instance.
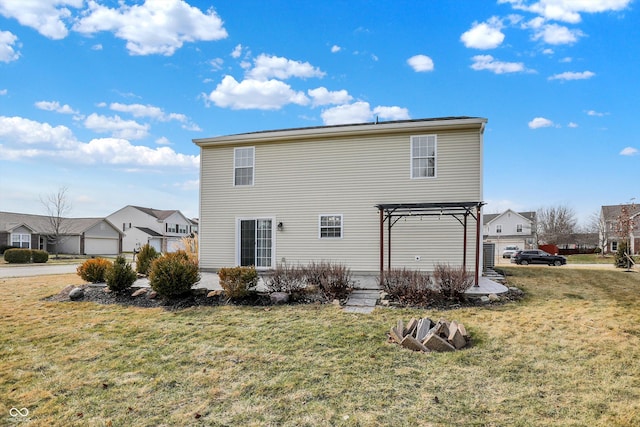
{"points": [[157, 213], [612, 213], [41, 224], [149, 231], [487, 218]]}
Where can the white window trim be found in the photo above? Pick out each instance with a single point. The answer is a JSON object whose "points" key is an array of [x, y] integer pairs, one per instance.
{"points": [[435, 163], [498, 228], [521, 226], [320, 227], [22, 239], [273, 238], [253, 167]]}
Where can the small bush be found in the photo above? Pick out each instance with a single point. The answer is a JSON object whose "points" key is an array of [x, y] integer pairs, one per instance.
{"points": [[93, 270], [286, 279], [5, 247], [17, 256], [410, 287], [39, 257], [452, 282], [120, 275], [173, 274], [620, 258], [333, 279], [145, 257], [238, 282]]}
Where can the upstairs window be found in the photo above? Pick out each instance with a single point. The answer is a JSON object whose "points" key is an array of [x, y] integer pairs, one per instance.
{"points": [[330, 226], [498, 229], [423, 156], [243, 160], [519, 228]]}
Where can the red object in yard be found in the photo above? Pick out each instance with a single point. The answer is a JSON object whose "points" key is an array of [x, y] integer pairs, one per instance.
{"points": [[551, 249]]}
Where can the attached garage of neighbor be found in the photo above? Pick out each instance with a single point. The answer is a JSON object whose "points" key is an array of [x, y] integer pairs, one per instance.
{"points": [[101, 238]]}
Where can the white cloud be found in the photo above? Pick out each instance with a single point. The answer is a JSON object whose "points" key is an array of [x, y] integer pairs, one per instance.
{"points": [[540, 122], [3, 92], [216, 64], [7, 47], [237, 51], [96, 47], [572, 125], [392, 113], [266, 66], [629, 151], [117, 127], [45, 16], [25, 138], [360, 112], [163, 140], [488, 62], [255, 94], [55, 106], [557, 34], [484, 35], [568, 10], [322, 96], [154, 27], [566, 60], [189, 185], [569, 75], [335, 48], [596, 113], [420, 63]]}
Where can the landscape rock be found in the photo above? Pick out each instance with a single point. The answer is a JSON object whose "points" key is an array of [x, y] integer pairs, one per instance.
{"points": [[152, 295], [493, 298], [139, 292], [485, 299], [216, 293], [279, 298], [76, 294]]}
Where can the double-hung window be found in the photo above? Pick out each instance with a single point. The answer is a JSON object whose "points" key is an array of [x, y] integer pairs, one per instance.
{"points": [[423, 156], [498, 228], [519, 228], [243, 162], [330, 226], [21, 240]]}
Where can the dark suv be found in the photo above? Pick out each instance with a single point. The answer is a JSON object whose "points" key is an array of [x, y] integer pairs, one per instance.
{"points": [[536, 256]]}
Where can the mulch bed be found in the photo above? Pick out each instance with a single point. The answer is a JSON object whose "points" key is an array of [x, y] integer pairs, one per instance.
{"points": [[199, 298]]}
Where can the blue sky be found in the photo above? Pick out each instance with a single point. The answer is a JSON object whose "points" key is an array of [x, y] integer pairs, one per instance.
{"points": [[104, 97]]}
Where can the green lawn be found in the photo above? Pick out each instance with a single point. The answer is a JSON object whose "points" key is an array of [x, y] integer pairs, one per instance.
{"points": [[566, 355]]}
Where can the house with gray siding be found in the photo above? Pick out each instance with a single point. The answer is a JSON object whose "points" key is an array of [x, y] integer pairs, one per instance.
{"points": [[509, 229], [78, 236], [371, 196]]}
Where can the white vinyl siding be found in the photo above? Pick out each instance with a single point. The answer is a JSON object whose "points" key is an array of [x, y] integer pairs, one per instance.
{"points": [[423, 156], [330, 226], [299, 179], [243, 162]]}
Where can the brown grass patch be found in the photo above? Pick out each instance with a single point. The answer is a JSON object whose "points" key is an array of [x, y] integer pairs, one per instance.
{"points": [[566, 355]]}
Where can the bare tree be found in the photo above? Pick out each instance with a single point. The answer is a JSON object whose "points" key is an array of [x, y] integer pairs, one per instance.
{"points": [[624, 227], [556, 224], [58, 208], [597, 224]]}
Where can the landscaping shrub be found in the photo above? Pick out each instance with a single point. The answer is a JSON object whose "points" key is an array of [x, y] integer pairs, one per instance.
{"points": [[410, 287], [93, 270], [5, 247], [39, 257], [620, 258], [452, 282], [333, 279], [145, 257], [173, 274], [120, 275], [238, 282], [17, 256], [286, 279]]}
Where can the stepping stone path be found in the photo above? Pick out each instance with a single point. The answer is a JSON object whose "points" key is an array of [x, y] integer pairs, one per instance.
{"points": [[364, 296]]}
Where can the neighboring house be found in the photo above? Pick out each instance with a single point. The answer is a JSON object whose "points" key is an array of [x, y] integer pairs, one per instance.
{"points": [[162, 229], [334, 193], [510, 228], [609, 236], [79, 236]]}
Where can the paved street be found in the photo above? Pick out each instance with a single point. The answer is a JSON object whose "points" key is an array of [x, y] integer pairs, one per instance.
{"points": [[36, 270]]}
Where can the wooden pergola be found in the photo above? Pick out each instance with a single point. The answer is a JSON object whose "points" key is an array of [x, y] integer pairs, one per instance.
{"points": [[391, 213]]}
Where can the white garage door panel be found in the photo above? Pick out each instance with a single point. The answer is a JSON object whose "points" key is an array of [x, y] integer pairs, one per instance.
{"points": [[101, 246]]}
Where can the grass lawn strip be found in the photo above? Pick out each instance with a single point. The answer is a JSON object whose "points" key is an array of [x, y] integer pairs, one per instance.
{"points": [[566, 355]]}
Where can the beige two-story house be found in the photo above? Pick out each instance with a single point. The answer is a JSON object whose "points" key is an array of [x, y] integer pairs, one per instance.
{"points": [[371, 196]]}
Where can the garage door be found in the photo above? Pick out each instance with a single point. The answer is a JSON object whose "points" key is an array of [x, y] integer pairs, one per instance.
{"points": [[95, 246]]}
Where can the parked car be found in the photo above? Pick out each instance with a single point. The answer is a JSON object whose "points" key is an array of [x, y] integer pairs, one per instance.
{"points": [[509, 251], [537, 256]]}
